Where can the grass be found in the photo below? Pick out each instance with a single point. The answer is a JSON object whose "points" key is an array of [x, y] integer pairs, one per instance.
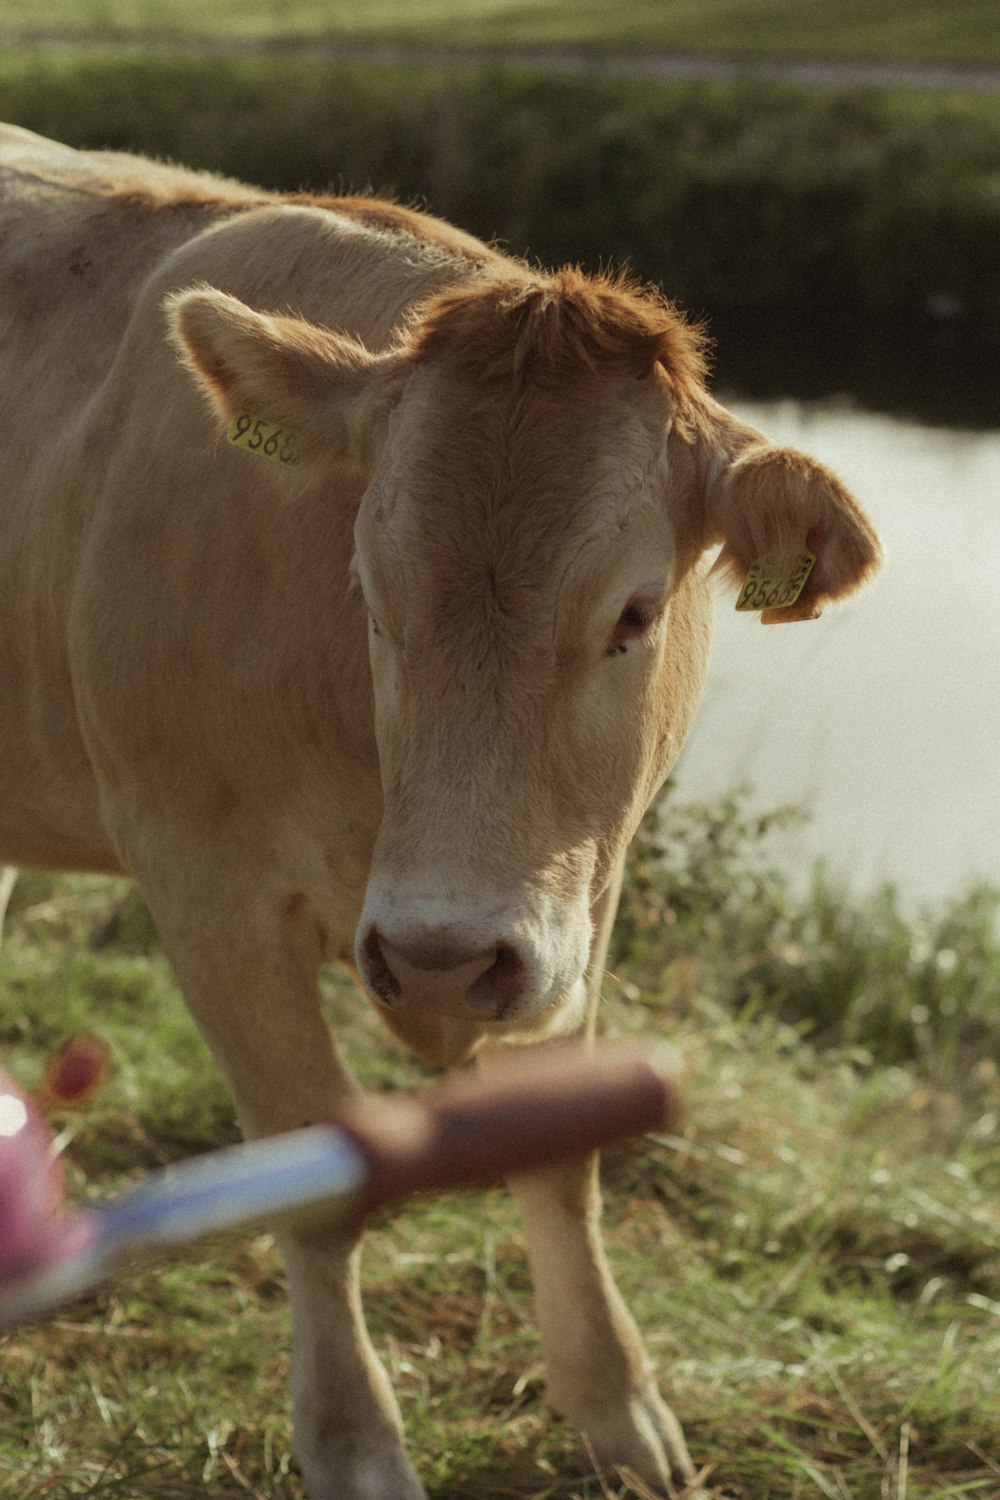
{"points": [[815, 1257], [952, 31]]}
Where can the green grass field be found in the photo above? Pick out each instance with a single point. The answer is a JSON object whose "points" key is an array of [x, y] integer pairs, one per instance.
{"points": [[952, 31], [815, 1256]]}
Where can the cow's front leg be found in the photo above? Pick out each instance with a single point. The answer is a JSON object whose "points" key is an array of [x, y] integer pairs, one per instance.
{"points": [[348, 1433], [248, 964], [597, 1369], [598, 1372]]}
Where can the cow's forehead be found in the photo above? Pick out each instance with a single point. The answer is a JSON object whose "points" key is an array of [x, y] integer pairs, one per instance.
{"points": [[514, 504], [493, 462], [534, 416]]}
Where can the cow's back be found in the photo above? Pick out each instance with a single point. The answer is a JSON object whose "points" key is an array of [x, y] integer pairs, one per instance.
{"points": [[79, 233]]}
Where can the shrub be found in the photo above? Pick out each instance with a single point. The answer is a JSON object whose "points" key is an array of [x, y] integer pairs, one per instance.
{"points": [[708, 906]]}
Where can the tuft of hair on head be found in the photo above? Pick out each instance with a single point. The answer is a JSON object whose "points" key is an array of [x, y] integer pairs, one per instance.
{"points": [[553, 328]]}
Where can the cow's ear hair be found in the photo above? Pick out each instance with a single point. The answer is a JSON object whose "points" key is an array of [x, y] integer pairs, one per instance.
{"points": [[325, 388], [775, 503]]}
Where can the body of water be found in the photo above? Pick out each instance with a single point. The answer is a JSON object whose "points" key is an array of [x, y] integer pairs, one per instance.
{"points": [[882, 717]]}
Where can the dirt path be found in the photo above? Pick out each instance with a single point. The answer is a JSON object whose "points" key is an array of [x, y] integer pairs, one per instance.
{"points": [[667, 66]]}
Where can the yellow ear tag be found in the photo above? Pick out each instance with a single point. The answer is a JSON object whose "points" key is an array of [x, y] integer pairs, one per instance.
{"points": [[266, 439], [768, 587]]}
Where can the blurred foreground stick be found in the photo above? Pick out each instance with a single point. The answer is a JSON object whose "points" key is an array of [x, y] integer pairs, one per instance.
{"points": [[466, 1131], [535, 1114]]}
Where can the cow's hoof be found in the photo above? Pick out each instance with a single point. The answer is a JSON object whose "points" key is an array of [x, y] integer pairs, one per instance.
{"points": [[383, 1476], [644, 1439]]}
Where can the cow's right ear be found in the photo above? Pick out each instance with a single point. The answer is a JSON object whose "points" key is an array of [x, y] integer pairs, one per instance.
{"points": [[325, 389], [793, 536], [790, 529]]}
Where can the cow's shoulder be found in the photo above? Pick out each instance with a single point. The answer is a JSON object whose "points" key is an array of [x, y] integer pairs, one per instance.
{"points": [[87, 223], [355, 265], [386, 217], [26, 148], [120, 227], [43, 167]]}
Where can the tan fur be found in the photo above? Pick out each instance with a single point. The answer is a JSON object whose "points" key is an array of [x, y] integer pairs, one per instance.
{"points": [[401, 704]]}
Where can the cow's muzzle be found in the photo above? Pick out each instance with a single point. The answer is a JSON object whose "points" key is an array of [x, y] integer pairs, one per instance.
{"points": [[435, 970]]}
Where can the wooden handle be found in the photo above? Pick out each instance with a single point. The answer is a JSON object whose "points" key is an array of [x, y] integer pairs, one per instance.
{"points": [[474, 1131]]}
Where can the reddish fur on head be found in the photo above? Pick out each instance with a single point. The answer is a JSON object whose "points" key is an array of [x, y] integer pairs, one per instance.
{"points": [[553, 327]]}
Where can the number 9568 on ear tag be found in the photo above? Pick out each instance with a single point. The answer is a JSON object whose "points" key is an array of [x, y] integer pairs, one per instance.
{"points": [[767, 586], [265, 439]]}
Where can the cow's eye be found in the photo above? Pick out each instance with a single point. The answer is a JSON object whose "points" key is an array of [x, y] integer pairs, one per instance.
{"points": [[634, 623]]}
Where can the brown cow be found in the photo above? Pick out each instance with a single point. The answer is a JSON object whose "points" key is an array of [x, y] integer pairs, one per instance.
{"points": [[398, 697]]}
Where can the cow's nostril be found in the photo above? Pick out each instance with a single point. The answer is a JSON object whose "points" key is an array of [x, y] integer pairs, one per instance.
{"points": [[432, 969], [496, 989], [379, 978]]}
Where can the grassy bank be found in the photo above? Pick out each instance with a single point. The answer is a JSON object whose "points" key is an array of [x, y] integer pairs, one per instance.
{"points": [[856, 221], [815, 1256], [962, 31]]}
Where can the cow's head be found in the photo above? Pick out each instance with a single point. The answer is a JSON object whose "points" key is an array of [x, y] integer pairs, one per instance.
{"points": [[546, 475]]}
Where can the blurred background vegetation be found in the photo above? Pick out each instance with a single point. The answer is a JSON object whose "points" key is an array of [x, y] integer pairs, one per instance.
{"points": [[963, 31], [837, 236]]}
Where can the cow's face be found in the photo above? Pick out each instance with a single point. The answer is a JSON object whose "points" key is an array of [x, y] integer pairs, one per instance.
{"points": [[516, 556], [545, 472]]}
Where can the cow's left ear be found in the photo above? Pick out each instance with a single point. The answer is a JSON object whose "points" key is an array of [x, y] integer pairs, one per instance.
{"points": [[325, 389], [773, 509]]}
